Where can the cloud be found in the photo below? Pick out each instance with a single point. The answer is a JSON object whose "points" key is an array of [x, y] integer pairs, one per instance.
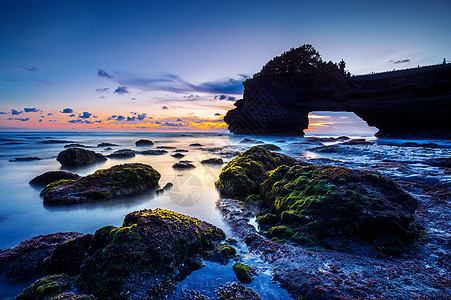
{"points": [[103, 73], [85, 115], [225, 97], [120, 118], [142, 116], [31, 69], [40, 120], [31, 109], [72, 115], [3, 113], [67, 111], [11, 79], [131, 119], [80, 121], [399, 61], [121, 90], [179, 120], [174, 83], [217, 114], [15, 112], [164, 107], [104, 90], [102, 97], [20, 119], [170, 124], [132, 98], [49, 114]]}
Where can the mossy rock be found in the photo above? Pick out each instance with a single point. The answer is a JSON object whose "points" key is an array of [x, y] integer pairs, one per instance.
{"points": [[103, 184], [74, 157], [47, 288], [222, 253], [243, 175], [52, 176], [271, 147], [242, 272], [325, 202], [153, 243]]}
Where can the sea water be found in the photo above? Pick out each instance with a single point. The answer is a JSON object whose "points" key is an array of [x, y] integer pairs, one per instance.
{"points": [[23, 214]]}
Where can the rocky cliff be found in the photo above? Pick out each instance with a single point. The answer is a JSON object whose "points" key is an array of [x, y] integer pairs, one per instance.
{"points": [[407, 103]]}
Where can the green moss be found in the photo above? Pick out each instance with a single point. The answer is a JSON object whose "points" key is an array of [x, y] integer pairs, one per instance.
{"points": [[47, 287], [228, 251], [242, 272], [243, 175], [281, 232], [55, 184], [267, 219], [271, 147]]}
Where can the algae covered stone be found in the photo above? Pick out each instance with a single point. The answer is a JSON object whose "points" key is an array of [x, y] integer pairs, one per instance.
{"points": [[328, 205], [74, 157], [242, 272], [103, 184], [244, 174], [52, 176]]}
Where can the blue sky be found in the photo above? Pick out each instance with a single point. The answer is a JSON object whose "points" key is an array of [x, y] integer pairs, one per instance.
{"points": [[119, 57]]}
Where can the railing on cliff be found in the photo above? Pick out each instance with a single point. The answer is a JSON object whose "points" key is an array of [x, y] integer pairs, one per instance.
{"points": [[399, 73]]}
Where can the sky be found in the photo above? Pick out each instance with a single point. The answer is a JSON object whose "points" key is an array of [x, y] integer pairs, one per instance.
{"points": [[178, 65]]}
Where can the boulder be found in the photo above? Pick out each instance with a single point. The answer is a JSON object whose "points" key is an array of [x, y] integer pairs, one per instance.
{"points": [[334, 206], [103, 184], [31, 158], [244, 174], [27, 260], [74, 157], [152, 152], [183, 164], [178, 155], [212, 161], [144, 142], [152, 247], [52, 176]]}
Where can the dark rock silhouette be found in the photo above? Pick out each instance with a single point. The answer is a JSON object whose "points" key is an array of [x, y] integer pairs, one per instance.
{"points": [[73, 157], [407, 103], [52, 176]]}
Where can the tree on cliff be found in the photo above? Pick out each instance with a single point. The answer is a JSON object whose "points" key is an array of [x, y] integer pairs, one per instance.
{"points": [[296, 60]]}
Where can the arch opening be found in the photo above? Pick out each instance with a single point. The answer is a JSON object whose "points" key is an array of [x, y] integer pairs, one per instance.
{"points": [[337, 123]]}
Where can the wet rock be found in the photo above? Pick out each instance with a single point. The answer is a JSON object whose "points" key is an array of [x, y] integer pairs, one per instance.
{"points": [[335, 207], [59, 286], [122, 154], [153, 152], [152, 248], [178, 155], [222, 254], [355, 142], [196, 145], [52, 176], [143, 142], [236, 290], [106, 145], [166, 147], [75, 145], [280, 141], [242, 272], [183, 164], [244, 174], [26, 260], [74, 157], [25, 159], [326, 149], [444, 162], [103, 184], [251, 141], [271, 147], [181, 150], [167, 187], [212, 161]]}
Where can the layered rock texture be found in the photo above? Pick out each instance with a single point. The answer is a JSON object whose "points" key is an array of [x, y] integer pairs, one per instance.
{"points": [[406, 103]]}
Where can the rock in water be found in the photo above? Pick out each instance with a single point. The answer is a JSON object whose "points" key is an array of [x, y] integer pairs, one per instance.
{"points": [[144, 142], [103, 184], [212, 161], [335, 206], [152, 248], [27, 259], [244, 174], [74, 157], [52, 176]]}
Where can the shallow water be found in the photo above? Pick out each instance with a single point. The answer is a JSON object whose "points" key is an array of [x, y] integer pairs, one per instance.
{"points": [[23, 215]]}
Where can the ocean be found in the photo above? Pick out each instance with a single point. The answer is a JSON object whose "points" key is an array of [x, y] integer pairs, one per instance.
{"points": [[23, 214]]}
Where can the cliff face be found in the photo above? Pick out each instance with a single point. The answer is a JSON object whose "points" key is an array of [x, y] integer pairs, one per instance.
{"points": [[407, 103]]}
